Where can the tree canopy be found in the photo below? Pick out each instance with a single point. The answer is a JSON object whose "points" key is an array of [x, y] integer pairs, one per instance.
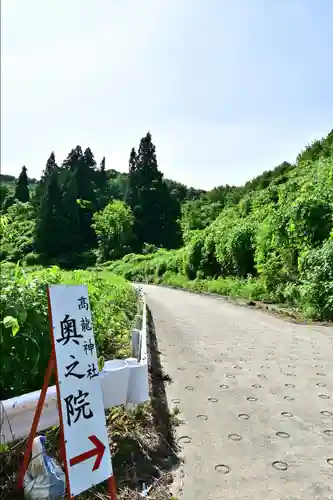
{"points": [[276, 229], [113, 226], [22, 192]]}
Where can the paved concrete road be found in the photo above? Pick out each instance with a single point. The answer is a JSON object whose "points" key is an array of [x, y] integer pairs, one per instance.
{"points": [[256, 396]]}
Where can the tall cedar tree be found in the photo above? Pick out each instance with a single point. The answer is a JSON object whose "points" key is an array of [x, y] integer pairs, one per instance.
{"points": [[57, 227], [155, 210], [102, 176], [81, 189], [102, 184], [72, 238], [50, 167], [21, 189], [132, 193], [49, 232]]}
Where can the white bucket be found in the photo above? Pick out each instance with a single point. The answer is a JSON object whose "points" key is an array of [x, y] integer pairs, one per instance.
{"points": [[138, 387], [114, 380]]}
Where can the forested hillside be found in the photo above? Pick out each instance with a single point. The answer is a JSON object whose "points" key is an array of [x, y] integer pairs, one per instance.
{"points": [[271, 239], [61, 219]]}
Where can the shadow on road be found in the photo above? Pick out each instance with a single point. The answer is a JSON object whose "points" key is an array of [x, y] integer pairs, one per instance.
{"points": [[164, 421], [149, 453]]}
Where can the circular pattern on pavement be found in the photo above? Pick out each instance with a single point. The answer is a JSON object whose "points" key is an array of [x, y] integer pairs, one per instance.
{"points": [[222, 468], [283, 435], [280, 465], [202, 417], [305, 392], [326, 413], [287, 414], [184, 439], [235, 437], [243, 416]]}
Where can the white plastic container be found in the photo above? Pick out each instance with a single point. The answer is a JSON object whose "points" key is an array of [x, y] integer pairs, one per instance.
{"points": [[138, 387], [114, 380]]}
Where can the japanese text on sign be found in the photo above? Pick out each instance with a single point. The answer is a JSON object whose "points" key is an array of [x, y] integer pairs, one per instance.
{"points": [[80, 390]]}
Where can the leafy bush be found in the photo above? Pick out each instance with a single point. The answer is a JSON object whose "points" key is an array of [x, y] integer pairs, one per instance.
{"points": [[274, 244], [32, 259], [24, 327], [241, 248], [113, 227], [149, 248], [221, 228], [316, 291], [193, 256], [17, 232]]}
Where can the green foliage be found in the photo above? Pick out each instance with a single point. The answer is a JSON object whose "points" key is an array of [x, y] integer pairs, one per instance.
{"points": [[32, 259], [317, 149], [155, 210], [270, 240], [8, 202], [316, 271], [16, 237], [136, 267], [24, 328], [198, 214], [193, 255], [50, 168], [262, 234], [80, 180], [113, 227], [149, 248], [22, 190], [4, 193], [222, 230], [181, 192], [50, 219], [67, 197], [241, 247]]}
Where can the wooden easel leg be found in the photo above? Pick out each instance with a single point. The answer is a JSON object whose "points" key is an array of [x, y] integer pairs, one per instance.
{"points": [[35, 421], [112, 487]]}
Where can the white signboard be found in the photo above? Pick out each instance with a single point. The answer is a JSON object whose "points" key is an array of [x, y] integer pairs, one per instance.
{"points": [[87, 448]]}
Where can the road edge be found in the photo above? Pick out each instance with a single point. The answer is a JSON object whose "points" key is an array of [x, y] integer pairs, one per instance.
{"points": [[284, 313]]}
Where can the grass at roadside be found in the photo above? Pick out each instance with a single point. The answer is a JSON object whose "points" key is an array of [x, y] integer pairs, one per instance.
{"points": [[162, 268], [303, 300], [141, 455]]}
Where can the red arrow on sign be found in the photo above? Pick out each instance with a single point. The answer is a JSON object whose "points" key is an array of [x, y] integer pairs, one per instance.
{"points": [[97, 451]]}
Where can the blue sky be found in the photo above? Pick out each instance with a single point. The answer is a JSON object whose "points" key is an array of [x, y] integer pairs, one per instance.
{"points": [[227, 88]]}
